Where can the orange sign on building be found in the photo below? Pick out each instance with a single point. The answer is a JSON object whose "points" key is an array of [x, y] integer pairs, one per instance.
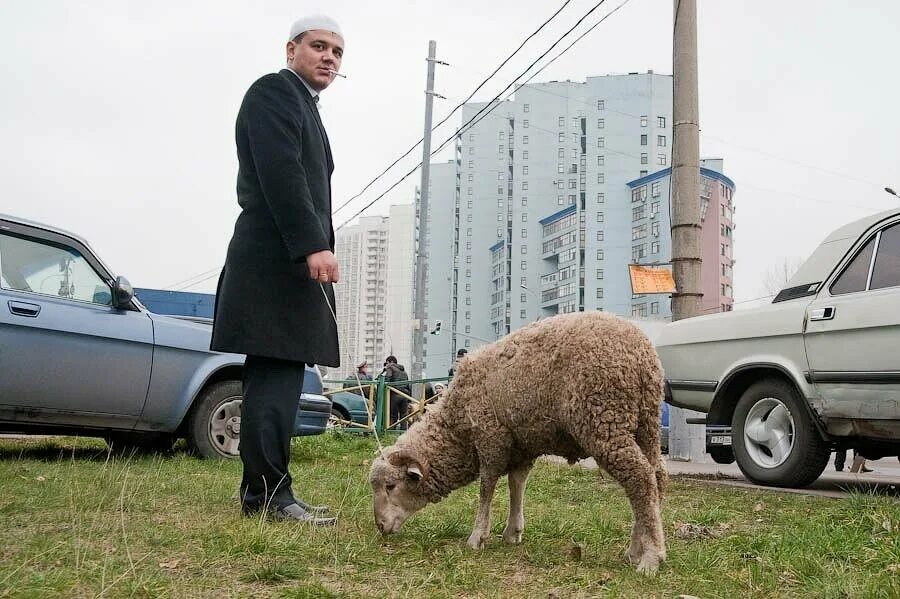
{"points": [[646, 279]]}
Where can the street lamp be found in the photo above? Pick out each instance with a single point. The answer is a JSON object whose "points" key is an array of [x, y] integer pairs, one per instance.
{"points": [[891, 191]]}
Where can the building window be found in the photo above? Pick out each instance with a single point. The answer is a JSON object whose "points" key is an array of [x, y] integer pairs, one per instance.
{"points": [[469, 233], [524, 217], [524, 154], [562, 136], [469, 259], [524, 249], [524, 185], [559, 200], [599, 217], [601, 143], [525, 124], [524, 233], [522, 314], [468, 315], [499, 190], [499, 203], [601, 104], [576, 122], [471, 164], [638, 212], [468, 301], [599, 254], [599, 235], [661, 141], [468, 205], [468, 273], [601, 178], [654, 189], [638, 251], [638, 232], [524, 265], [468, 245], [573, 184], [499, 233], [526, 108], [654, 229], [601, 160], [599, 292], [643, 120], [571, 198], [654, 247], [654, 307], [644, 140], [601, 123], [643, 173], [471, 176], [560, 167], [525, 139], [654, 208], [502, 135], [661, 159], [643, 157], [523, 281], [523, 298], [468, 286], [524, 202], [469, 191], [601, 198], [468, 218], [599, 274], [661, 122], [524, 170], [471, 137], [561, 153], [499, 218], [471, 150]]}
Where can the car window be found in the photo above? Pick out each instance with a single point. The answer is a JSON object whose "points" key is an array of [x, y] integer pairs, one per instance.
{"points": [[887, 261], [38, 266], [856, 273]]}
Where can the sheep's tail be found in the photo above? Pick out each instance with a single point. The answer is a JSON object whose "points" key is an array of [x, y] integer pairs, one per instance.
{"points": [[648, 432]]}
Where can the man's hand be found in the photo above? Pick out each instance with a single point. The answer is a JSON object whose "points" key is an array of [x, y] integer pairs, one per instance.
{"points": [[323, 267]]}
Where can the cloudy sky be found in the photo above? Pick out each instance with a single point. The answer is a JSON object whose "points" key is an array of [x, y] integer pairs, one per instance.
{"points": [[118, 115]]}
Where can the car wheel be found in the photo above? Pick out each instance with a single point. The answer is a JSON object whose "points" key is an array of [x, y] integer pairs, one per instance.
{"points": [[774, 441], [338, 419], [214, 426], [139, 443]]}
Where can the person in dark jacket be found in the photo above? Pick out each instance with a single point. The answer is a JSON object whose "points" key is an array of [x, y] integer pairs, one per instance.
{"points": [[363, 375], [399, 404], [275, 300]]}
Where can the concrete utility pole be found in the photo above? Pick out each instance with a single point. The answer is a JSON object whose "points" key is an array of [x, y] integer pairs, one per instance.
{"points": [[686, 441], [419, 298]]}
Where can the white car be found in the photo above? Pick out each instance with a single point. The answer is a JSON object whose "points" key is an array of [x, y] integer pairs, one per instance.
{"points": [[816, 370]]}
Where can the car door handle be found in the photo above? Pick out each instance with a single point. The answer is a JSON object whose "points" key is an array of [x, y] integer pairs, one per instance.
{"points": [[822, 313], [23, 309]]}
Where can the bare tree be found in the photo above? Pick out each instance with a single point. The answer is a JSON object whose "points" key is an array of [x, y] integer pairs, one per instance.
{"points": [[780, 273]]}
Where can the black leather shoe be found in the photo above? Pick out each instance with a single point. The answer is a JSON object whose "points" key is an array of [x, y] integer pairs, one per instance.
{"points": [[296, 513], [315, 510]]}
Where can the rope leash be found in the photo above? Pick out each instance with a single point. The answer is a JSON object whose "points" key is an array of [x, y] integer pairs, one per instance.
{"points": [[355, 374]]}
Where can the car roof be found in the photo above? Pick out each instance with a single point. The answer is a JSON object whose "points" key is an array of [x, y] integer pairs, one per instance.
{"points": [[828, 254]]}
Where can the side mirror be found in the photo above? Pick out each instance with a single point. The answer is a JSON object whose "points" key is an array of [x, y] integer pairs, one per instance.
{"points": [[122, 292]]}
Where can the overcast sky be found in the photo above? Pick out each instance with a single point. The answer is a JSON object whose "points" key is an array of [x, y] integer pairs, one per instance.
{"points": [[118, 116]]}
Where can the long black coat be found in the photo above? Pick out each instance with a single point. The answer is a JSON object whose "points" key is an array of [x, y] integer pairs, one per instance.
{"points": [[266, 304]]}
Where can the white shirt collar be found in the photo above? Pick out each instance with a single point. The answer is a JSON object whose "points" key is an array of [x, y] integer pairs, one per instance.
{"points": [[312, 92]]}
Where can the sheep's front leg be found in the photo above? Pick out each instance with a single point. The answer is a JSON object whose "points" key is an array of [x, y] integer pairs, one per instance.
{"points": [[515, 524], [482, 530]]}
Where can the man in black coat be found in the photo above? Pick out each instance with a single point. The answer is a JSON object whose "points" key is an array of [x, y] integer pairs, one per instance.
{"points": [[275, 289]]}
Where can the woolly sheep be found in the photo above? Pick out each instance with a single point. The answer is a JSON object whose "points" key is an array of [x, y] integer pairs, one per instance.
{"points": [[575, 385]]}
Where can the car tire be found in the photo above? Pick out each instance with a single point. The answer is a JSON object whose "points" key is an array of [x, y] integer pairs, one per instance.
{"points": [[125, 443], [213, 427], [338, 419], [775, 443]]}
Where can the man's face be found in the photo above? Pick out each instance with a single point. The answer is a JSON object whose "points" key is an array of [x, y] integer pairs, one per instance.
{"points": [[313, 56]]}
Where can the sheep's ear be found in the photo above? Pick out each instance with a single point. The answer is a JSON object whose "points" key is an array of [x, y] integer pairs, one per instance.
{"points": [[415, 467]]}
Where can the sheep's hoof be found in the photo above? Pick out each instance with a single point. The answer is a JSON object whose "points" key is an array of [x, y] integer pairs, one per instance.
{"points": [[633, 554], [649, 564], [476, 541], [512, 536]]}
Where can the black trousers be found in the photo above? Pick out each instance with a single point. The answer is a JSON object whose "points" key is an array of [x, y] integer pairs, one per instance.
{"points": [[271, 398], [399, 408]]}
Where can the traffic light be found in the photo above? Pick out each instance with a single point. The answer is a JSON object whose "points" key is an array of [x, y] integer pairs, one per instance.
{"points": [[437, 328]]}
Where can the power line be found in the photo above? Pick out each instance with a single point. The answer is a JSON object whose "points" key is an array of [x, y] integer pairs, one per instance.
{"points": [[187, 280], [493, 104], [456, 108]]}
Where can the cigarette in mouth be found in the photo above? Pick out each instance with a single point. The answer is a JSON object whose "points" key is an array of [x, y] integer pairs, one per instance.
{"points": [[336, 74]]}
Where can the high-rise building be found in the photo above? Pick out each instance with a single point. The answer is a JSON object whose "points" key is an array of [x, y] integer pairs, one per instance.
{"points": [[549, 199]]}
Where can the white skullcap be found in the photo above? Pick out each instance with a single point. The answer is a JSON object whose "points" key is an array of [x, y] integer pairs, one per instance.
{"points": [[315, 22]]}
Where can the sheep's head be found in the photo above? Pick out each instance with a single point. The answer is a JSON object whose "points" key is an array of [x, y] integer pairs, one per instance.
{"points": [[396, 479]]}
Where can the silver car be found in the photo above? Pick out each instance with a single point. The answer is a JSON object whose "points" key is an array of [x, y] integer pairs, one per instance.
{"points": [[80, 355], [817, 369]]}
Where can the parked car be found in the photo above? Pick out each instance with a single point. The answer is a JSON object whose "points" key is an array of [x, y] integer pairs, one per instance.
{"points": [[79, 354], [818, 369]]}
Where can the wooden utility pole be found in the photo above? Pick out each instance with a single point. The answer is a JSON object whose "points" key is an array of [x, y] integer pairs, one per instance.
{"points": [[686, 442]]}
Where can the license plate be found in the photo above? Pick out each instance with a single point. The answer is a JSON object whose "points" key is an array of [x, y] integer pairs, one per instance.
{"points": [[720, 440]]}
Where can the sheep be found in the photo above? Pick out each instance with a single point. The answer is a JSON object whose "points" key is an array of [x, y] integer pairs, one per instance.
{"points": [[574, 385]]}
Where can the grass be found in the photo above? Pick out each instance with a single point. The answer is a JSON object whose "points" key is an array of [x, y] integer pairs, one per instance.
{"points": [[78, 522]]}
